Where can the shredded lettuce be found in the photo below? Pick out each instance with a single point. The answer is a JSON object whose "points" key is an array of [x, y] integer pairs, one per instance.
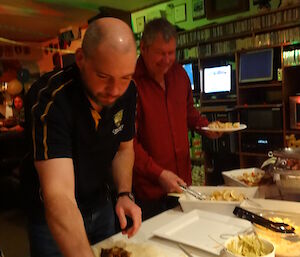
{"points": [[247, 245]]}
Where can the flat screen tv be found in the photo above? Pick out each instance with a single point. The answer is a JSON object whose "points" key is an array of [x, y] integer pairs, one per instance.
{"points": [[189, 70], [217, 79], [256, 66]]}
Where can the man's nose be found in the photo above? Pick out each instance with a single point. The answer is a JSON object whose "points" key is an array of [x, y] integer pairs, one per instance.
{"points": [[166, 58], [114, 88]]}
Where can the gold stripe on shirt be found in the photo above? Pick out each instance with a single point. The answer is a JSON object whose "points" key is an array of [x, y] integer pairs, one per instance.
{"points": [[34, 106], [45, 114]]}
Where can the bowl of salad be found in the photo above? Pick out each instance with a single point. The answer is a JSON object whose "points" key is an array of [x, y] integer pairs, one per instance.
{"points": [[248, 245]]}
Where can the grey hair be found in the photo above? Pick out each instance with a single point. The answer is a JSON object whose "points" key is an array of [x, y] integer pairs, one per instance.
{"points": [[156, 26], [92, 38]]}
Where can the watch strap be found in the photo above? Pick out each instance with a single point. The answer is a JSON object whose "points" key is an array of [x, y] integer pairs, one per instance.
{"points": [[129, 194]]}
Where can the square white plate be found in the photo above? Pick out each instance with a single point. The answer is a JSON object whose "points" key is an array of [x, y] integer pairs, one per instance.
{"points": [[207, 231]]}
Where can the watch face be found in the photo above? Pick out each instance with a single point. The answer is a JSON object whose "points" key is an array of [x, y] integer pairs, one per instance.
{"points": [[131, 196]]}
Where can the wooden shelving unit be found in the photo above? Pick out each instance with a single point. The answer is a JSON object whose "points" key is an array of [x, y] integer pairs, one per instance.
{"points": [[279, 30], [261, 85], [258, 106], [272, 28], [218, 101], [293, 132], [253, 154], [262, 131]]}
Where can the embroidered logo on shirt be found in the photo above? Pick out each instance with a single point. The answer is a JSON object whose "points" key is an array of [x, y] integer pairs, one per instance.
{"points": [[118, 118], [117, 130]]}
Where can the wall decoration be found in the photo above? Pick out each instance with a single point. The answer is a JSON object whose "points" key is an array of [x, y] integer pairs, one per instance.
{"points": [[219, 8], [198, 9], [140, 23], [180, 13]]}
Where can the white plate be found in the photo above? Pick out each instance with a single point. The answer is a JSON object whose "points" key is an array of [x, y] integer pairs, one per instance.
{"points": [[241, 127], [207, 231]]}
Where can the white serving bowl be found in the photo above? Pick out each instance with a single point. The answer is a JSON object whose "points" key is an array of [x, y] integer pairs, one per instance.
{"points": [[189, 203], [287, 245], [231, 177], [267, 244]]}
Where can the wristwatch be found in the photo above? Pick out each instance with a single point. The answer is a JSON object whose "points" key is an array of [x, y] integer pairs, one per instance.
{"points": [[129, 194]]}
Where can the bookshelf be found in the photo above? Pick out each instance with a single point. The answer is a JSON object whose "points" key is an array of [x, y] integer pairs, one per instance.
{"points": [[277, 27], [219, 44], [273, 95]]}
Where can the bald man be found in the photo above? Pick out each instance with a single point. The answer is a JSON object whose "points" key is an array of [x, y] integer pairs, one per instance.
{"points": [[81, 124]]}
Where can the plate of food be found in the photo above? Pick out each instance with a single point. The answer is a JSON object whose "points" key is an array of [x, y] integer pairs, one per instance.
{"points": [[127, 248], [217, 126]]}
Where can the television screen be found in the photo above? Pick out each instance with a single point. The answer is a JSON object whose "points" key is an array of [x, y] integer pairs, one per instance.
{"points": [[217, 79], [256, 66], [189, 70]]}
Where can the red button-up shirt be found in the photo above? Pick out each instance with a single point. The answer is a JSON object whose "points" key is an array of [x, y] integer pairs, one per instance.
{"points": [[162, 123]]}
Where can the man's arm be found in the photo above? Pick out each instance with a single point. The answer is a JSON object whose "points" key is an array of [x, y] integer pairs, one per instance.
{"points": [[62, 214], [122, 172], [196, 121]]}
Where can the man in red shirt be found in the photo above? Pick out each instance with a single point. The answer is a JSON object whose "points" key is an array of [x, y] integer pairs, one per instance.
{"points": [[165, 113]]}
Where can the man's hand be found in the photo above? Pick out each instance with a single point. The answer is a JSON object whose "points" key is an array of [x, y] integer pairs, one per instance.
{"points": [[170, 182], [126, 206]]}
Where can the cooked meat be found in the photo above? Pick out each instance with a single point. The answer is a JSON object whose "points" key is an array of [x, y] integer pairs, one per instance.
{"points": [[114, 252]]}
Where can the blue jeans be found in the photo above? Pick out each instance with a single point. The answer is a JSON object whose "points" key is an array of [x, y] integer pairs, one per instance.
{"points": [[99, 224]]}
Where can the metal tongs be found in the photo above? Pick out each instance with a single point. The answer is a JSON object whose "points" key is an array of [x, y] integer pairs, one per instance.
{"points": [[192, 192], [254, 218]]}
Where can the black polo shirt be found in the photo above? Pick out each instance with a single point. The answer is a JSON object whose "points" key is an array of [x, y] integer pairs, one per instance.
{"points": [[63, 124]]}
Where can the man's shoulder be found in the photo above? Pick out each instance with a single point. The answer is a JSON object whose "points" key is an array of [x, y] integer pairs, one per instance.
{"points": [[177, 67], [51, 83]]}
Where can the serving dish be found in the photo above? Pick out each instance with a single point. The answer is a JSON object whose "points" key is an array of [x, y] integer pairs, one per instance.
{"points": [[284, 164], [243, 177], [287, 245], [189, 203], [242, 249]]}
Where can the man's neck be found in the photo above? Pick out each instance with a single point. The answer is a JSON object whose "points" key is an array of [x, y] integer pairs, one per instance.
{"points": [[161, 81], [96, 106]]}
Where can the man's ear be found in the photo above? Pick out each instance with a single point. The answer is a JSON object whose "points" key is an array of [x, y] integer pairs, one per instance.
{"points": [[79, 57], [142, 47]]}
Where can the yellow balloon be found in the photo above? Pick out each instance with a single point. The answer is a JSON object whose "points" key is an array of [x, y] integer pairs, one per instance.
{"points": [[14, 87]]}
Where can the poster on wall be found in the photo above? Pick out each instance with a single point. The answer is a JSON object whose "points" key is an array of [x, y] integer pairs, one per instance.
{"points": [[180, 13], [140, 23], [198, 9]]}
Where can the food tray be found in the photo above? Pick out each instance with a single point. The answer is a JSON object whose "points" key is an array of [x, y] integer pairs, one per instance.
{"points": [[231, 177], [189, 203]]}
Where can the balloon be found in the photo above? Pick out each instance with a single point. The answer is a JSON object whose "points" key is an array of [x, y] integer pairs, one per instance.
{"points": [[14, 87], [23, 75]]}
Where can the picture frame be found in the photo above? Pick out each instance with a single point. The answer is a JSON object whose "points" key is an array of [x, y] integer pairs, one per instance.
{"points": [[180, 13], [198, 10], [140, 24], [220, 8]]}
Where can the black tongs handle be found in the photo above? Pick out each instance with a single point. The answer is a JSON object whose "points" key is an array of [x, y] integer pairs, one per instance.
{"points": [[254, 218]]}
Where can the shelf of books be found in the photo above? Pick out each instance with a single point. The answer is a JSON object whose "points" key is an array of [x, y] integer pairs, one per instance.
{"points": [[277, 27]]}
